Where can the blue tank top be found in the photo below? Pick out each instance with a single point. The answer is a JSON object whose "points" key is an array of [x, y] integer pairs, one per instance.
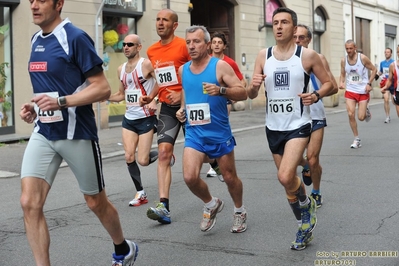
{"points": [[207, 117]]}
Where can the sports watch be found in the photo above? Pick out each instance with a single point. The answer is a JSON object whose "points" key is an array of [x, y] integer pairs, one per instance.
{"points": [[317, 94], [222, 90], [62, 102]]}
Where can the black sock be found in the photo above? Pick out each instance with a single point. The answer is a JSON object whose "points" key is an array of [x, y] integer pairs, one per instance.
{"points": [[165, 202], [214, 164], [122, 249]]}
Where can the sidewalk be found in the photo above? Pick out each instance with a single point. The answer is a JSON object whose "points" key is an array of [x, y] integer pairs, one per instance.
{"points": [[111, 139]]}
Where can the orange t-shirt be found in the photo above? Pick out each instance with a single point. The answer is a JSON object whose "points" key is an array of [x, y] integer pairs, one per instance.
{"points": [[166, 60]]}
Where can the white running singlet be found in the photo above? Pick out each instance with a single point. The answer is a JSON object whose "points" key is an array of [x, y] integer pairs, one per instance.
{"points": [[135, 86], [357, 76], [285, 80]]}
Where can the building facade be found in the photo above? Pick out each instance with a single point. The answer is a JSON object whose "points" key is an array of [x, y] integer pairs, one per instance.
{"points": [[246, 23]]}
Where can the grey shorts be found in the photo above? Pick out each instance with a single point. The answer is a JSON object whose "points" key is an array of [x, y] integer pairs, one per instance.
{"points": [[42, 159]]}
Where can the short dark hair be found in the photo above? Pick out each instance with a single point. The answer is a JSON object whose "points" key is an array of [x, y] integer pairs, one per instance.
{"points": [[389, 49], [309, 30], [294, 17], [219, 35]]}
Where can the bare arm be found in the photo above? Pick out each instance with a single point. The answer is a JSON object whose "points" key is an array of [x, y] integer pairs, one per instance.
{"points": [[146, 99], [258, 76], [343, 75], [235, 90], [367, 63], [97, 90], [181, 113], [327, 67], [120, 94]]}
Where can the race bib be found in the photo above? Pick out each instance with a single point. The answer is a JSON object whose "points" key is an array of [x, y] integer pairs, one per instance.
{"points": [[282, 106], [49, 116], [198, 114], [132, 97], [355, 78], [166, 74]]}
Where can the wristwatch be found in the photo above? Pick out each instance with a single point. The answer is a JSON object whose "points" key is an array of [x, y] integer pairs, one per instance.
{"points": [[61, 102], [222, 90], [369, 84], [317, 94]]}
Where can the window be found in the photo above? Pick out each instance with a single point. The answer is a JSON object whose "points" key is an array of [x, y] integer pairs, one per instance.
{"points": [[319, 29], [390, 37], [6, 97]]}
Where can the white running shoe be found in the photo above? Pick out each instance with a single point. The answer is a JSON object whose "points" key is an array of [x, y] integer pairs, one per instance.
{"points": [[139, 199], [387, 120], [129, 259], [211, 173], [356, 144]]}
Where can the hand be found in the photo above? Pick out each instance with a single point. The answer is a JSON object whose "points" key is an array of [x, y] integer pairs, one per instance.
{"points": [[383, 90], [257, 79], [342, 86], [27, 113], [181, 115], [46, 103], [307, 98], [145, 100], [174, 97], [152, 106], [210, 88]]}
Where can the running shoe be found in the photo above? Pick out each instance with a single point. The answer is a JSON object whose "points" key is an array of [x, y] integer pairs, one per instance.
{"points": [[209, 216], [211, 173], [356, 144], [307, 180], [387, 120], [159, 213], [318, 199], [368, 114], [308, 214], [126, 260], [302, 240], [240, 222], [218, 173], [172, 160], [139, 199]]}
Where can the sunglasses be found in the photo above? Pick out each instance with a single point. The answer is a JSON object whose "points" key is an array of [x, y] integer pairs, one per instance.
{"points": [[129, 44]]}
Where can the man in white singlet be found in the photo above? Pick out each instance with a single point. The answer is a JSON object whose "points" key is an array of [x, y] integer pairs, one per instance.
{"points": [[357, 82], [139, 123], [311, 165], [285, 69]]}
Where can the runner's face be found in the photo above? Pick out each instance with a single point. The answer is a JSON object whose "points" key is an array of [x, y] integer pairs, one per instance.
{"points": [[350, 49], [283, 27], [196, 45], [44, 14], [217, 45], [301, 37], [131, 52], [388, 54], [165, 25]]}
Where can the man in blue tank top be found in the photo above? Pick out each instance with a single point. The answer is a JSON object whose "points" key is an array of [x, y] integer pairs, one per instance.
{"points": [[207, 84]]}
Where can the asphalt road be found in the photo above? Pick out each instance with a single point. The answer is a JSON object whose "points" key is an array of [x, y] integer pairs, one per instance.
{"points": [[358, 219]]}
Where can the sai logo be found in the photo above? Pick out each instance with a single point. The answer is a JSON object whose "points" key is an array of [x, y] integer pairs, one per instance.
{"points": [[282, 79]]}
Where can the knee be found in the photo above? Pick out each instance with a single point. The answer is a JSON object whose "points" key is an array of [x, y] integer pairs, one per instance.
{"points": [[165, 154], [129, 157], [143, 161], [93, 202], [30, 203], [313, 161]]}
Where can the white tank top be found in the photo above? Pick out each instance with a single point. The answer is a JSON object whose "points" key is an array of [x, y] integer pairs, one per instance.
{"points": [[317, 109], [135, 86], [357, 76], [284, 81]]}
